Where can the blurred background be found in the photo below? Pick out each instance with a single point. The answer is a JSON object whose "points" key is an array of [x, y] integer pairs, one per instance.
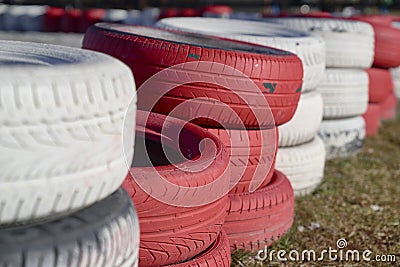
{"points": [[366, 6]]}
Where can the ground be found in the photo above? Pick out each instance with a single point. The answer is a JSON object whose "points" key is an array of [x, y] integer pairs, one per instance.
{"points": [[359, 200]]}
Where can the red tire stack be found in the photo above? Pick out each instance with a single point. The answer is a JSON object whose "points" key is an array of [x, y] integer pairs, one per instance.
{"points": [[52, 19], [71, 20], [217, 11], [207, 81], [382, 98]]}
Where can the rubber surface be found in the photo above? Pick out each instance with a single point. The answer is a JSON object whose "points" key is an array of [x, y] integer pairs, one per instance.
{"points": [[311, 50], [68, 153], [388, 107], [303, 165], [305, 123], [349, 44], [170, 233], [380, 84], [277, 73], [260, 218], [217, 255], [387, 39], [344, 93], [105, 234], [342, 137], [259, 152], [372, 119]]}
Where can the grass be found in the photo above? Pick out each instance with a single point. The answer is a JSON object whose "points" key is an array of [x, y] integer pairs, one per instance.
{"points": [[359, 200]]}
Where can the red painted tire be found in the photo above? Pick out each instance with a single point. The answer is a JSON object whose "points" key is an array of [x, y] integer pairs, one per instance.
{"points": [[380, 84], [52, 19], [387, 39], [237, 148], [169, 13], [258, 219], [71, 20], [169, 233], [91, 17], [189, 12], [217, 255], [372, 119], [218, 10], [388, 107], [280, 83]]}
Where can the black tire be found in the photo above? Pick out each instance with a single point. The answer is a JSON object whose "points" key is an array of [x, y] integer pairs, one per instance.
{"points": [[105, 234]]}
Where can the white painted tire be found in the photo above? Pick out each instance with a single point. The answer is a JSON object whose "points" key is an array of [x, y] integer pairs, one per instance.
{"points": [[133, 17], [22, 18], [305, 123], [342, 137], [349, 44], [396, 80], [55, 38], [149, 16], [32, 19], [311, 50], [303, 165], [12, 18], [3, 10], [115, 15], [106, 234], [61, 117], [344, 93]]}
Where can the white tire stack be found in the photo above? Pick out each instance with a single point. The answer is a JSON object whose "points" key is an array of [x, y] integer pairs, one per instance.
{"points": [[61, 116], [396, 80], [301, 154], [3, 10], [345, 94], [344, 89], [22, 18], [349, 44], [62, 158], [115, 16]]}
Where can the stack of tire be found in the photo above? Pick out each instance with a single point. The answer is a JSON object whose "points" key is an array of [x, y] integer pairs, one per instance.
{"points": [[395, 72], [265, 34], [237, 92], [62, 161], [301, 153], [76, 20], [39, 18], [382, 99], [394, 21], [344, 89], [21, 18], [382, 96]]}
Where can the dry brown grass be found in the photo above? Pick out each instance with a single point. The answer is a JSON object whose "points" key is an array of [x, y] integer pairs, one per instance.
{"points": [[359, 200]]}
